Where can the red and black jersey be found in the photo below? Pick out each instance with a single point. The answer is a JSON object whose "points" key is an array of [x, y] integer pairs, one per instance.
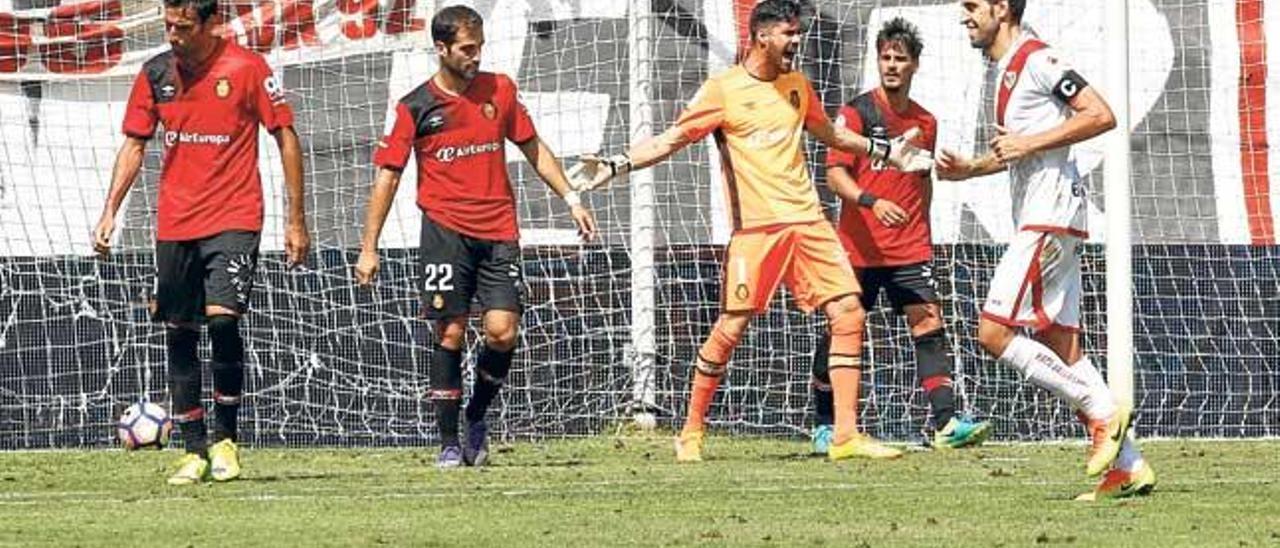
{"points": [[210, 116], [459, 141], [869, 243]]}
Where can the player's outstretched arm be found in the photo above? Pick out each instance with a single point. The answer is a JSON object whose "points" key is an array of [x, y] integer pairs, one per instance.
{"points": [[594, 171], [898, 152], [548, 168], [953, 166], [296, 239], [128, 164], [384, 192]]}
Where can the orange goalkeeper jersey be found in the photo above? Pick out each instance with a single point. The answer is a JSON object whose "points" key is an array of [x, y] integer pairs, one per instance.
{"points": [[757, 127]]}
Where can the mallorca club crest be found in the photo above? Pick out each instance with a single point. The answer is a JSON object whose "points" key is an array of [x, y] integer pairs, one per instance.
{"points": [[223, 88], [437, 302], [1010, 78], [742, 293], [795, 99], [489, 111]]}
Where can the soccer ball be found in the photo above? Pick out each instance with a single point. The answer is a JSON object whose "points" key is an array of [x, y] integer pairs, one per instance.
{"points": [[645, 421], [144, 424]]}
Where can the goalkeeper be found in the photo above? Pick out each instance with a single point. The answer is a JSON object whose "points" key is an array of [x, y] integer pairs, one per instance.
{"points": [[756, 111], [455, 123], [884, 226]]}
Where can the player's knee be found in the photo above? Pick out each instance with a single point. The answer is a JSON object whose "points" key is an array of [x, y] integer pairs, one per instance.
{"points": [[451, 333], [502, 337], [924, 319], [715, 353], [733, 325], [994, 336], [847, 324], [224, 336]]}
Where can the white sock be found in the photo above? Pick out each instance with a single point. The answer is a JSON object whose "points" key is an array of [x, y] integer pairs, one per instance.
{"points": [[1100, 403], [1045, 369], [1130, 457]]}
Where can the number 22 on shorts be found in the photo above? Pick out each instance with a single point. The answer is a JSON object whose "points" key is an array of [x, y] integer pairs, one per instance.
{"points": [[437, 277]]}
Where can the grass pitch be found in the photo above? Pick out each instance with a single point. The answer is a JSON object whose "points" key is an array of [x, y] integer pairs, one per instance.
{"points": [[627, 491]]}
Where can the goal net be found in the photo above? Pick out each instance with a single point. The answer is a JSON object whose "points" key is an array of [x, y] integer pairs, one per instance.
{"points": [[611, 328]]}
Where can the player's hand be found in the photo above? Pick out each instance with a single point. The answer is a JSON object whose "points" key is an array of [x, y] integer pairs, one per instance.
{"points": [[296, 243], [906, 157], [953, 166], [889, 214], [366, 266], [586, 222], [1010, 147], [102, 235], [592, 171]]}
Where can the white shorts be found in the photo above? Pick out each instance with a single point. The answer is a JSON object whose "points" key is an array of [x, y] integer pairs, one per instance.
{"points": [[1037, 283]]}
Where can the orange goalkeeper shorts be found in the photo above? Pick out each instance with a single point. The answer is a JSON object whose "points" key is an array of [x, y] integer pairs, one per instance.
{"points": [[806, 256]]}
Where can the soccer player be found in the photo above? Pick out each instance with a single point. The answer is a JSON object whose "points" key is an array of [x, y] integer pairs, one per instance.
{"points": [[210, 95], [756, 110], [1042, 107], [456, 124], [884, 226]]}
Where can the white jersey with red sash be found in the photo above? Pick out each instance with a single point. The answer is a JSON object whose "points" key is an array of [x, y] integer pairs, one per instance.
{"points": [[1035, 88]]}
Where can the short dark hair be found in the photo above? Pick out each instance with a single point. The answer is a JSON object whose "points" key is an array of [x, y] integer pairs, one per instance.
{"points": [[900, 31], [769, 12], [445, 24], [1016, 7], [204, 8]]}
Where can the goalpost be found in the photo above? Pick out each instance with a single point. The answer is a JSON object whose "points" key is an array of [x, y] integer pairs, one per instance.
{"points": [[1118, 210], [1180, 275]]}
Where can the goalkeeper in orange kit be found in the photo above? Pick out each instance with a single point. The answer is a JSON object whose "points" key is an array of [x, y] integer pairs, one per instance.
{"points": [[756, 111]]}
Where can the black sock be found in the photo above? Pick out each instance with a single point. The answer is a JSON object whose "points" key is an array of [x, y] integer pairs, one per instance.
{"points": [[228, 375], [491, 373], [184, 389], [934, 371], [823, 401], [446, 392]]}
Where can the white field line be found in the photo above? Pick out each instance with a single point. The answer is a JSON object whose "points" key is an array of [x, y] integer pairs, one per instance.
{"points": [[587, 488]]}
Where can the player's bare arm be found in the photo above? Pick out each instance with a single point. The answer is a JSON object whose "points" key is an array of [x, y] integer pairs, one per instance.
{"points": [[595, 171], [125, 172], [953, 166], [1091, 117], [384, 192], [548, 167], [296, 239], [843, 184]]}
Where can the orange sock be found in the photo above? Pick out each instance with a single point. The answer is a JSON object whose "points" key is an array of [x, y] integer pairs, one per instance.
{"points": [[703, 390], [846, 379], [713, 358], [845, 367]]}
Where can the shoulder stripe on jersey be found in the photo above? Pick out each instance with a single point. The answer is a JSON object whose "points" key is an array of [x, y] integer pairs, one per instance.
{"points": [[162, 75], [868, 112], [1013, 74], [425, 109]]}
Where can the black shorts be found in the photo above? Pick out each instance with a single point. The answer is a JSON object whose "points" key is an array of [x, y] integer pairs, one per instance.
{"points": [[192, 274], [453, 268], [904, 285]]}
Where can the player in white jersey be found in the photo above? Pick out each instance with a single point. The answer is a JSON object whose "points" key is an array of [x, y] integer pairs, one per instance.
{"points": [[1042, 108]]}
